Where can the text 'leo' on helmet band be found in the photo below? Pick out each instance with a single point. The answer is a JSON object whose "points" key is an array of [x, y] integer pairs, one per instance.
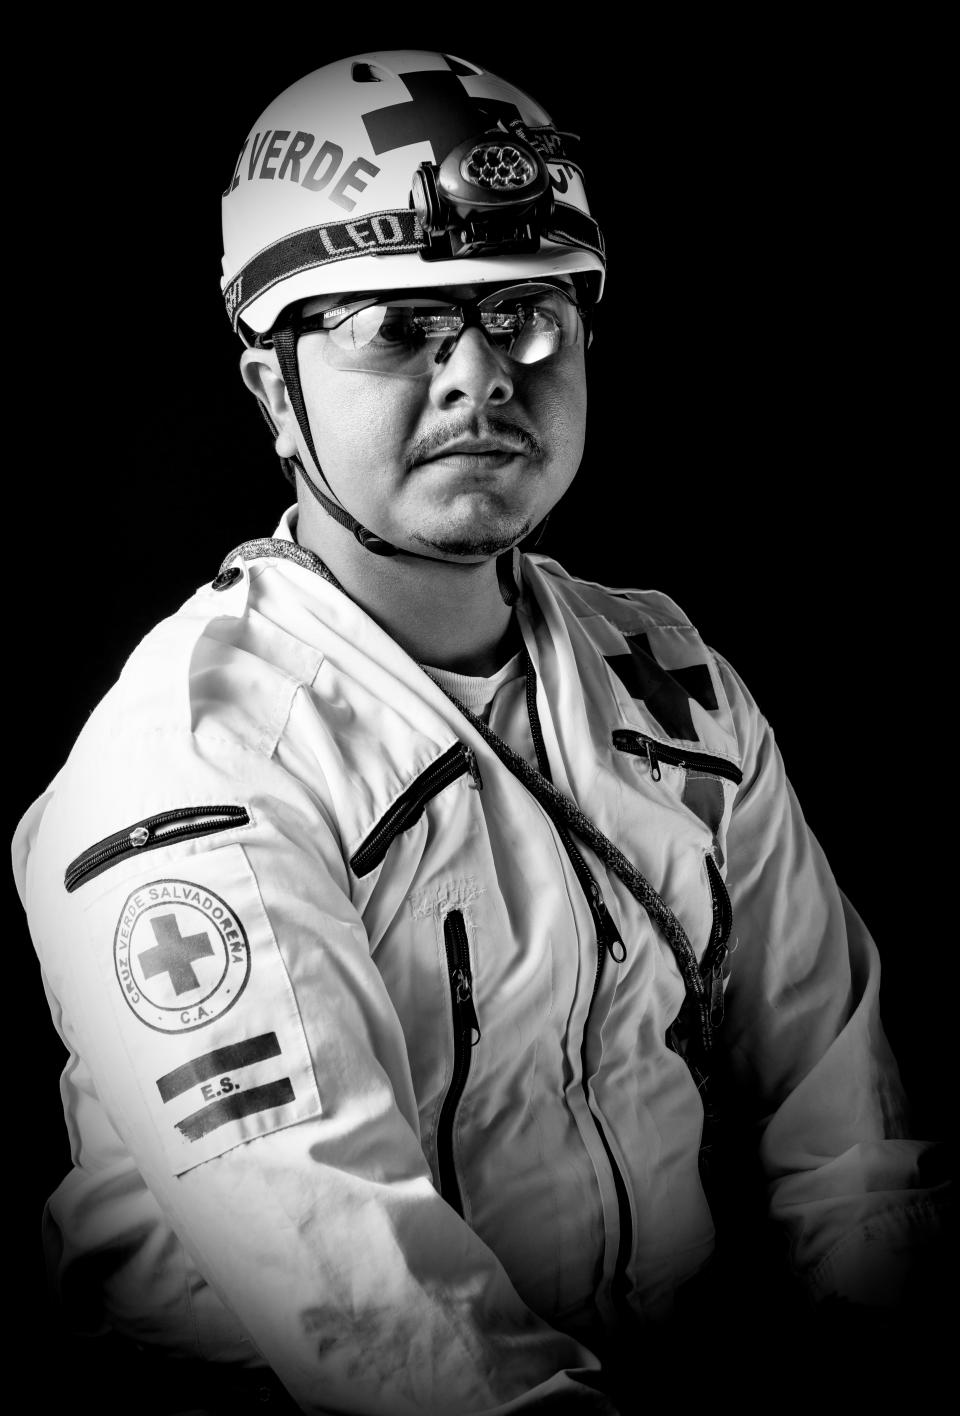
{"points": [[418, 169]]}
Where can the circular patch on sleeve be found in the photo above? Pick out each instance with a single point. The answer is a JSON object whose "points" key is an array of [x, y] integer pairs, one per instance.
{"points": [[181, 954]]}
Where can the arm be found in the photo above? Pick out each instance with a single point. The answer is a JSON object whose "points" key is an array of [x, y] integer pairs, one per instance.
{"points": [[806, 1048], [314, 1217]]}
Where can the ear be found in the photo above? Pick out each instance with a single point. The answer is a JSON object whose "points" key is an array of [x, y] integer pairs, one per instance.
{"points": [[260, 370]]}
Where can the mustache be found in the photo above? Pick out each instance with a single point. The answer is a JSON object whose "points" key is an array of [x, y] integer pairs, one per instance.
{"points": [[431, 443]]}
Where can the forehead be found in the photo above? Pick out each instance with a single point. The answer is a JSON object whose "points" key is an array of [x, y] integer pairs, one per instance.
{"points": [[443, 294]]}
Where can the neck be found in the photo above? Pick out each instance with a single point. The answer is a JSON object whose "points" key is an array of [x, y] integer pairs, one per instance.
{"points": [[444, 614]]}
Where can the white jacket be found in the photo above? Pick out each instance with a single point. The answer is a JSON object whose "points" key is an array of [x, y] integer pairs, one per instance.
{"points": [[347, 1091]]}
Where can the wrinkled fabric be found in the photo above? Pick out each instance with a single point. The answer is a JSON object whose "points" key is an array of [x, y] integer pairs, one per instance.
{"points": [[311, 1233]]}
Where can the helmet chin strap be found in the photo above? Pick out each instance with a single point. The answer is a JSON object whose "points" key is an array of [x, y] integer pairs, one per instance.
{"points": [[285, 343]]}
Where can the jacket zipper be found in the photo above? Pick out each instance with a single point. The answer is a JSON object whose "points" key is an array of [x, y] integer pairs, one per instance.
{"points": [[608, 936], [466, 1035], [627, 740], [183, 823], [608, 941], [410, 804]]}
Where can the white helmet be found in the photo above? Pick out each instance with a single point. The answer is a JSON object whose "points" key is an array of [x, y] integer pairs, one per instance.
{"points": [[420, 169]]}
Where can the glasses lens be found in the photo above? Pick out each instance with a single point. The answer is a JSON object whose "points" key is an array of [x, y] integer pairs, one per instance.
{"points": [[411, 336], [537, 321], [400, 337]]}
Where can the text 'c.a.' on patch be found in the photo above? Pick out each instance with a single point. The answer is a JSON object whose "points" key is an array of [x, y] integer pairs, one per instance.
{"points": [[181, 955]]}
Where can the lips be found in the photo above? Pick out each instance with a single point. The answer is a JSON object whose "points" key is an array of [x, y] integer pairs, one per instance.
{"points": [[476, 447]]}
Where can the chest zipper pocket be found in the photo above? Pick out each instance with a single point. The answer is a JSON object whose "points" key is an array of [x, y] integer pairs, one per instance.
{"points": [[641, 745], [466, 1035], [183, 823], [408, 807]]}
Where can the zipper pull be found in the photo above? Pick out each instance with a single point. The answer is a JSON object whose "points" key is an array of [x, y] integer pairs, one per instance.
{"points": [[654, 761], [464, 1001], [607, 931], [612, 940], [138, 837], [716, 991], [627, 740], [473, 767]]}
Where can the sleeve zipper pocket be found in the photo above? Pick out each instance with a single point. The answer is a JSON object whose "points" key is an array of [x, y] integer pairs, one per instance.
{"points": [[183, 823], [409, 806], [640, 745]]}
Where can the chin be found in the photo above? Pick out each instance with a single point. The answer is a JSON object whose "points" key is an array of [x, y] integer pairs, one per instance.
{"points": [[482, 541]]}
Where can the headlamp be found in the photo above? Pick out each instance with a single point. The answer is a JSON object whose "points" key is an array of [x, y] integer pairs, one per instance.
{"points": [[491, 195]]}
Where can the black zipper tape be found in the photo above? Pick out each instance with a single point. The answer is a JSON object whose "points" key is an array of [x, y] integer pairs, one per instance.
{"points": [[166, 828], [466, 1035], [711, 965], [409, 806], [627, 740], [710, 970], [609, 941]]}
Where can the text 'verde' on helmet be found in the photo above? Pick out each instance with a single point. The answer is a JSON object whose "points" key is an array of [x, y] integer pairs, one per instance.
{"points": [[401, 170]]}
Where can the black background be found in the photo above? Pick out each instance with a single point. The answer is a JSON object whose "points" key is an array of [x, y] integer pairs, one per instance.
{"points": [[759, 444]]}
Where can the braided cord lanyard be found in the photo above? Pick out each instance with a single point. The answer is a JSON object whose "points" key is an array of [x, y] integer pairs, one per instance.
{"points": [[282, 550], [567, 816], [692, 1034]]}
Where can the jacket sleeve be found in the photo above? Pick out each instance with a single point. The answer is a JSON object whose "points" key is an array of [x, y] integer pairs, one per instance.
{"points": [[279, 1131], [806, 1048]]}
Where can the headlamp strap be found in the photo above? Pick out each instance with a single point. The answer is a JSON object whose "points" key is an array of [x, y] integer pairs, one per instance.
{"points": [[382, 233], [551, 143]]}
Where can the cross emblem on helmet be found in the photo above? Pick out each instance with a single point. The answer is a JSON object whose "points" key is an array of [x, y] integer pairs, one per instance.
{"points": [[439, 111]]}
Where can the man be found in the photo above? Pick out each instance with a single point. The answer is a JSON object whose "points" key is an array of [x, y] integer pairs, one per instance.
{"points": [[388, 902]]}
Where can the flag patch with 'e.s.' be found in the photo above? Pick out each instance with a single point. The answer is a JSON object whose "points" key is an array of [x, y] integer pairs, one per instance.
{"points": [[227, 1084], [201, 1000]]}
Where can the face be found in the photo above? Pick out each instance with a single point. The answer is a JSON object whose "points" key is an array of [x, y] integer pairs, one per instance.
{"points": [[463, 460]]}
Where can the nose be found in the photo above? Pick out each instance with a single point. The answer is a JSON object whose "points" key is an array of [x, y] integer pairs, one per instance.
{"points": [[473, 374]]}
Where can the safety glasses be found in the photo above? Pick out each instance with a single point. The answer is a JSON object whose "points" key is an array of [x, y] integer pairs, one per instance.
{"points": [[410, 332]]}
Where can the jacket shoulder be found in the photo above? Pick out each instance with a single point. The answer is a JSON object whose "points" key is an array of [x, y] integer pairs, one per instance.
{"points": [[627, 609], [215, 666], [651, 645], [196, 715]]}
